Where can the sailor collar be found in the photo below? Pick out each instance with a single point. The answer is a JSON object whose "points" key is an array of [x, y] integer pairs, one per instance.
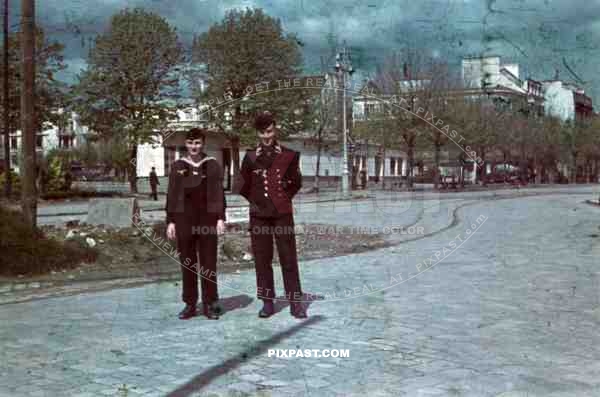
{"points": [[197, 164]]}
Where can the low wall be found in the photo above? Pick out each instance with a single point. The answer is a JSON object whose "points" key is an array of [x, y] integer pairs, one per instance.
{"points": [[143, 185]]}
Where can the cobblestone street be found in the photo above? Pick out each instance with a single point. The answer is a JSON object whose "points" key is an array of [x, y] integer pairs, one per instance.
{"points": [[495, 297]]}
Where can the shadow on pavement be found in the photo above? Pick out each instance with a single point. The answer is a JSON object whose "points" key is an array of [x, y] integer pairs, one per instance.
{"points": [[281, 302], [234, 302], [203, 379]]}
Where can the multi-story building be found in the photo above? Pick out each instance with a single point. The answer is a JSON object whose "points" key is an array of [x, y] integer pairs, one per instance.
{"points": [[482, 79], [66, 135], [566, 101]]}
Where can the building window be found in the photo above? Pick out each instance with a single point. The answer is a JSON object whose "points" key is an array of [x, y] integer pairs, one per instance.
{"points": [[65, 141], [372, 109], [39, 140]]}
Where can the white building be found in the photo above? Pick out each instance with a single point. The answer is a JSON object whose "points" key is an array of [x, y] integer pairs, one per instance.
{"points": [[70, 135], [489, 72], [566, 101]]}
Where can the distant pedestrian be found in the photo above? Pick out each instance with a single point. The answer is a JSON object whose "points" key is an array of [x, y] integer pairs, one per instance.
{"points": [[154, 183]]}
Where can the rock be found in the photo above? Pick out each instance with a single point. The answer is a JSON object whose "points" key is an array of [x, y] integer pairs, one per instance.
{"points": [[299, 229], [35, 285], [229, 249], [115, 212], [83, 234], [90, 242], [135, 233], [247, 256], [101, 241], [70, 234]]}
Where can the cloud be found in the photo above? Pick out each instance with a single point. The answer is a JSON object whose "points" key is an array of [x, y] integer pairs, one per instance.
{"points": [[536, 33]]}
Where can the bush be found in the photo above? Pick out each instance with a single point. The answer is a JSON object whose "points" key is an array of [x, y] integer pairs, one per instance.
{"points": [[28, 251], [16, 183]]}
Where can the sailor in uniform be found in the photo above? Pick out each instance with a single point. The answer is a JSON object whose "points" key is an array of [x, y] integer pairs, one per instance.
{"points": [[195, 216]]}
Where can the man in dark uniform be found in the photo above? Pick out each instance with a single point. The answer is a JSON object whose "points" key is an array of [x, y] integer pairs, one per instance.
{"points": [[271, 176], [195, 215], [154, 183]]}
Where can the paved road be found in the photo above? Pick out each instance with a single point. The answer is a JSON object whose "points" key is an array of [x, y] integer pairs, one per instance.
{"points": [[502, 302]]}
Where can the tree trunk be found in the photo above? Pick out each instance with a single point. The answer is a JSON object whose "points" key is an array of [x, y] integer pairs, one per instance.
{"points": [[481, 170], [28, 191], [318, 167], [133, 169], [573, 172], [6, 114], [381, 171], [436, 169], [411, 161], [235, 159]]}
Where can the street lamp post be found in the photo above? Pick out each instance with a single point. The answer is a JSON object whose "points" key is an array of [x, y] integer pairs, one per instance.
{"points": [[343, 66]]}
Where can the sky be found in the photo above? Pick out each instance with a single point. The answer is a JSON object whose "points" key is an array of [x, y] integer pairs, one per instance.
{"points": [[542, 36]]}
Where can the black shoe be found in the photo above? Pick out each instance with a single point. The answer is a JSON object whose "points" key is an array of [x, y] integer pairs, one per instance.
{"points": [[267, 310], [188, 311], [211, 311], [297, 310]]}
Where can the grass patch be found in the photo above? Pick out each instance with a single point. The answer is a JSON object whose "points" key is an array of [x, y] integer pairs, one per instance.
{"points": [[27, 251]]}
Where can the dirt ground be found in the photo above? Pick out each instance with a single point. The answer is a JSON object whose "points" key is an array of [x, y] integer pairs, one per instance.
{"points": [[132, 252]]}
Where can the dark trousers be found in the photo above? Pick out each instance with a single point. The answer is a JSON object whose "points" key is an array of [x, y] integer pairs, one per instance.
{"points": [[196, 235], [154, 194], [262, 231]]}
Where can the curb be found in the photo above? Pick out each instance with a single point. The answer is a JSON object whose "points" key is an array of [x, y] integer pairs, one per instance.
{"points": [[230, 206]]}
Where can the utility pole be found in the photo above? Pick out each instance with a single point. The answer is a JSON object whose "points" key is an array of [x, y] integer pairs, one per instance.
{"points": [[29, 193], [343, 65], [6, 106]]}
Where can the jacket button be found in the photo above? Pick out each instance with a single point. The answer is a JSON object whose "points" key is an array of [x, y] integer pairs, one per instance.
{"points": [[266, 195], [266, 188]]}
